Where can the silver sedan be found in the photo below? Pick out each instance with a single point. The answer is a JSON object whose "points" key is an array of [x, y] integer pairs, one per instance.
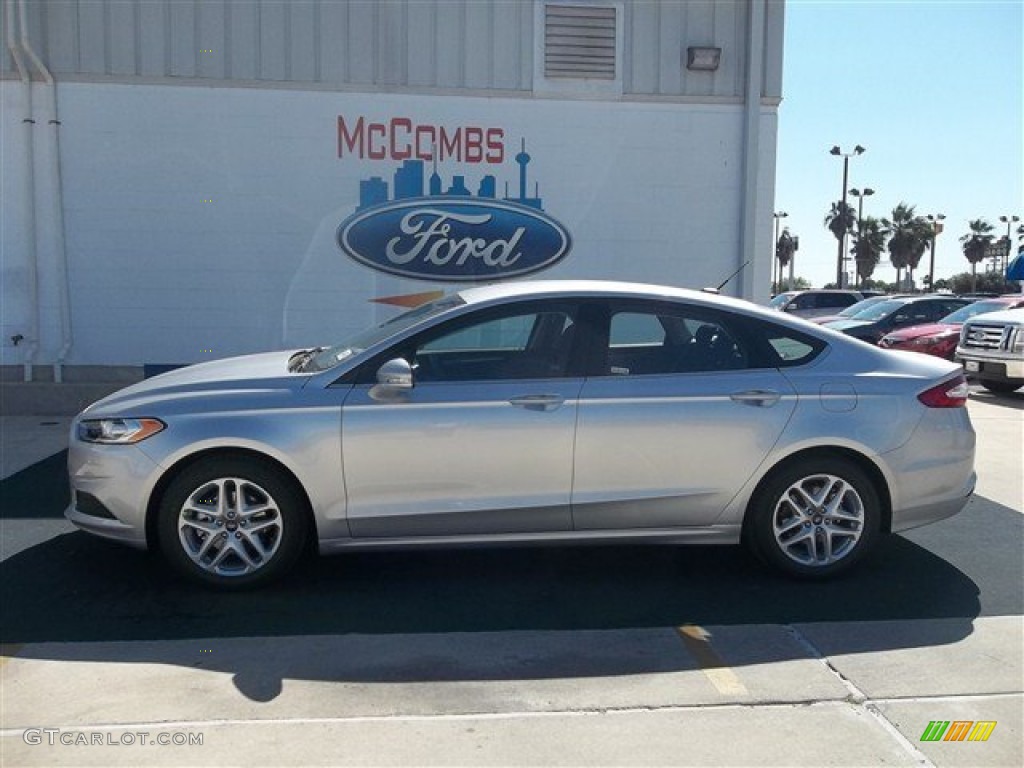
{"points": [[575, 412]]}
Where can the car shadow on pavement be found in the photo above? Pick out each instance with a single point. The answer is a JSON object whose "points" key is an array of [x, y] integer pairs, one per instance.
{"points": [[77, 588], [1014, 400], [74, 588]]}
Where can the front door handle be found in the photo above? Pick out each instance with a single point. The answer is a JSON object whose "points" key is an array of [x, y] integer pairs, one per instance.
{"points": [[763, 398], [538, 402]]}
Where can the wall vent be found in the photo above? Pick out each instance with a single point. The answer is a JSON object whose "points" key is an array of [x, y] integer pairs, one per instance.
{"points": [[579, 41]]}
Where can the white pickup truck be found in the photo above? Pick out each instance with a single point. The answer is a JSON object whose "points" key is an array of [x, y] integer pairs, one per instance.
{"points": [[991, 349]]}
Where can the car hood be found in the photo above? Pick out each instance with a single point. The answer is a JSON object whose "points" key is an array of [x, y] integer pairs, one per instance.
{"points": [[930, 329], [249, 373]]}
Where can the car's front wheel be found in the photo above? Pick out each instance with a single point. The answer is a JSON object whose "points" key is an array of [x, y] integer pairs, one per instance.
{"points": [[814, 518], [232, 522]]}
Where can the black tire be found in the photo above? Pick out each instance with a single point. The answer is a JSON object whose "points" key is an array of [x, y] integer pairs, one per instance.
{"points": [[1001, 387], [804, 528], [258, 541]]}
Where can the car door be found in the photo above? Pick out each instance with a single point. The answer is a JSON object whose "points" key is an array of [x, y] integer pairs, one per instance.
{"points": [[482, 443], [677, 415]]}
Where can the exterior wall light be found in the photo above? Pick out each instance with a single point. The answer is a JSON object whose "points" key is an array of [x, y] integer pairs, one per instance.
{"points": [[703, 59]]}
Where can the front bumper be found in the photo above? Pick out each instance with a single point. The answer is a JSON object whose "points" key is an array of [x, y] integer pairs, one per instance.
{"points": [[993, 368], [105, 528], [119, 480]]}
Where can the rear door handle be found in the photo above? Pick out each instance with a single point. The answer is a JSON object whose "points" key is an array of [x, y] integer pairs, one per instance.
{"points": [[764, 398], [538, 402]]}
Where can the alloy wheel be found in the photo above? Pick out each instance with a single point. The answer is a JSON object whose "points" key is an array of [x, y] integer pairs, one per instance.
{"points": [[230, 527], [818, 520]]}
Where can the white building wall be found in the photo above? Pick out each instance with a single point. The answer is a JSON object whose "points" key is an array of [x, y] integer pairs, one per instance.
{"points": [[442, 44], [16, 229], [202, 222], [202, 184]]}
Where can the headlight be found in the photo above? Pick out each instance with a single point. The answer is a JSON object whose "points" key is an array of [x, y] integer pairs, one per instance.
{"points": [[118, 431], [1017, 346]]}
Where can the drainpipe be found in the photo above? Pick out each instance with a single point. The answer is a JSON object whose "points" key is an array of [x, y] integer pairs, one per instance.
{"points": [[32, 334], [56, 195], [751, 146]]}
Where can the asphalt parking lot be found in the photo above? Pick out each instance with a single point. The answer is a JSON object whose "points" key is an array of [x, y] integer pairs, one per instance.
{"points": [[618, 655]]}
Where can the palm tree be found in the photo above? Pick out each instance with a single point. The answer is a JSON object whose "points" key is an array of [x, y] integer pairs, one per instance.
{"points": [[909, 236], [784, 250], [974, 243], [838, 222], [867, 247]]}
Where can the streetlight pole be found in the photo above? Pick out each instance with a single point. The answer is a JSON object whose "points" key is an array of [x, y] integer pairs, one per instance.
{"points": [[1009, 221], [857, 150], [776, 266], [860, 195], [936, 222]]}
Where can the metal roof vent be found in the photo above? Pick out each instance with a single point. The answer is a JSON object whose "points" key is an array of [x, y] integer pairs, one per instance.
{"points": [[579, 41]]}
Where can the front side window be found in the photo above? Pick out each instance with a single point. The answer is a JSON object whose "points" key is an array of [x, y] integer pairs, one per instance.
{"points": [[510, 344], [836, 300]]}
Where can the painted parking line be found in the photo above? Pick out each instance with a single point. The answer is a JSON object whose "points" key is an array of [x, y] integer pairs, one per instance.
{"points": [[698, 642]]}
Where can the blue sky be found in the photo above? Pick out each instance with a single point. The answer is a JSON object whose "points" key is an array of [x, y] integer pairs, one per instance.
{"points": [[935, 93]]}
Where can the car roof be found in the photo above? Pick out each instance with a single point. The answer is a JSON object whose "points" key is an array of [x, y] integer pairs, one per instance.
{"points": [[849, 291], [541, 288], [910, 299]]}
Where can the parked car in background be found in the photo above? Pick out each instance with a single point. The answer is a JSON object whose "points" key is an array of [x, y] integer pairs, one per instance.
{"points": [[814, 303], [873, 323], [532, 412], [853, 309], [940, 338], [991, 349]]}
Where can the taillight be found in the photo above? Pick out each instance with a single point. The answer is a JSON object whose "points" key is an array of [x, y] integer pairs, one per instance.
{"points": [[948, 394]]}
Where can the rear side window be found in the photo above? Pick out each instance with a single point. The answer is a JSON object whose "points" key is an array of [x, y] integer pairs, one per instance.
{"points": [[670, 339], [789, 348]]}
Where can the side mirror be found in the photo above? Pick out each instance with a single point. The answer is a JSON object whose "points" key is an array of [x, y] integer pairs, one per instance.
{"points": [[395, 375]]}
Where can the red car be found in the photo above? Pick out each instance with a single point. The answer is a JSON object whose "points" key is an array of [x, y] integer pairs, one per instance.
{"points": [[940, 338]]}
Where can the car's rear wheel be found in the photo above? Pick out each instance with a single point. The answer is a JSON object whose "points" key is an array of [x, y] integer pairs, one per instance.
{"points": [[1002, 387], [232, 522], [814, 518]]}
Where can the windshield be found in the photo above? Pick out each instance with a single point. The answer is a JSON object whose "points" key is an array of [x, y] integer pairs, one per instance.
{"points": [[878, 311], [977, 308], [861, 305], [781, 299], [332, 356]]}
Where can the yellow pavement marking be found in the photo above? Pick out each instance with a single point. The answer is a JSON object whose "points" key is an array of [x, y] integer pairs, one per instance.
{"points": [[697, 642], [8, 651]]}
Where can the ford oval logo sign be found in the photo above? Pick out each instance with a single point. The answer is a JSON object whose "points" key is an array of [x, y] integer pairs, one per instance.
{"points": [[444, 239]]}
